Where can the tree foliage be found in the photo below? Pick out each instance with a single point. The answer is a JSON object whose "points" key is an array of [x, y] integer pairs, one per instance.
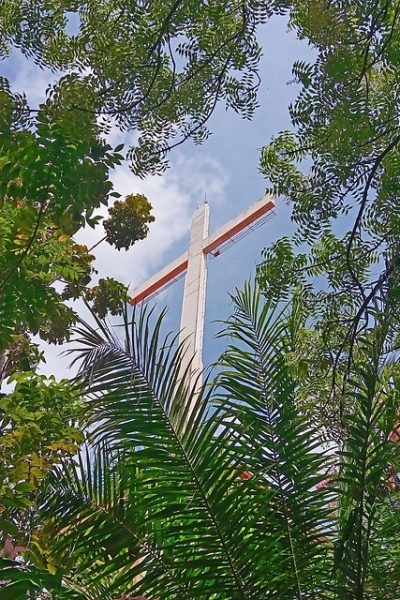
{"points": [[50, 184], [338, 168], [230, 492], [54, 175], [226, 492], [108, 296], [156, 67], [39, 425]]}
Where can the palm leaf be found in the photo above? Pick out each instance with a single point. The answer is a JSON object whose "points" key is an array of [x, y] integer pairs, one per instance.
{"points": [[365, 500], [181, 485], [213, 494], [278, 445]]}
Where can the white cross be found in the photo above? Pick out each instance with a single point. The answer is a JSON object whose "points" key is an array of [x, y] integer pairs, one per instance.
{"points": [[194, 263]]}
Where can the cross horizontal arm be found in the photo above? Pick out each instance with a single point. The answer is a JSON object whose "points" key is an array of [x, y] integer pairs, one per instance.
{"points": [[162, 278], [238, 223], [209, 244]]}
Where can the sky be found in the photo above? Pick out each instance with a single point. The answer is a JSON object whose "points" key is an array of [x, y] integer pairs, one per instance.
{"points": [[224, 170]]}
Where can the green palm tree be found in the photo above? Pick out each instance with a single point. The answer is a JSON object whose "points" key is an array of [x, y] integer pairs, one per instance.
{"points": [[221, 493]]}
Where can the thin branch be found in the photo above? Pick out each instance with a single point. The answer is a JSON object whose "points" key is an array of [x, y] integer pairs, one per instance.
{"points": [[363, 204], [354, 331], [164, 27], [97, 243]]}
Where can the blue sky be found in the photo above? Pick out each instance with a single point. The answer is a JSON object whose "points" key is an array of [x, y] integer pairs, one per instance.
{"points": [[225, 168]]}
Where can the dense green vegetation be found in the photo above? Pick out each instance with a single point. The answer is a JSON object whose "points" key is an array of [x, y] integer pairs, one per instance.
{"points": [[281, 478], [226, 493], [339, 168]]}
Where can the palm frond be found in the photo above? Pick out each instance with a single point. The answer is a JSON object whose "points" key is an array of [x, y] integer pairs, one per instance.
{"points": [[277, 444], [365, 458], [178, 473], [221, 493]]}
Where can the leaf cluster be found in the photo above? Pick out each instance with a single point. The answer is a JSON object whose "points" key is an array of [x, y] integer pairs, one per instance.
{"points": [[128, 221], [39, 424], [108, 296]]}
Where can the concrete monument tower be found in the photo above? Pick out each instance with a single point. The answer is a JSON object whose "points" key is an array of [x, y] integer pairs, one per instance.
{"points": [[194, 263]]}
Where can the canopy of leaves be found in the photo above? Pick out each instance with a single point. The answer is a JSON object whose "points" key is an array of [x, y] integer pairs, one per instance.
{"points": [[108, 296], [156, 67], [54, 175], [339, 169], [36, 429], [228, 492], [40, 424]]}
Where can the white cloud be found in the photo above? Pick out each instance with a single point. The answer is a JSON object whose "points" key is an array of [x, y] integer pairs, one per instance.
{"points": [[173, 196], [26, 77]]}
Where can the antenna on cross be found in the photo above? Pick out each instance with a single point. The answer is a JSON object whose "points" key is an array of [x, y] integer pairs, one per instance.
{"points": [[193, 262]]}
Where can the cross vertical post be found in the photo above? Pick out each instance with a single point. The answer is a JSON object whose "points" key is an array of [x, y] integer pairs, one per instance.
{"points": [[194, 295]]}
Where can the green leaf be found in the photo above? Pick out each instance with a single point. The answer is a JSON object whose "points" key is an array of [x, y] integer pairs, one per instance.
{"points": [[8, 527]]}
